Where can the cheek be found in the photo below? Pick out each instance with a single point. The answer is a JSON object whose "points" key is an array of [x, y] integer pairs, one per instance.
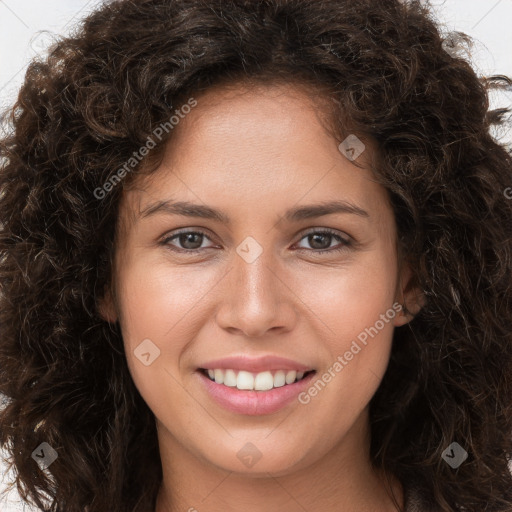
{"points": [[356, 351], [354, 314], [351, 298], [159, 302], [159, 305]]}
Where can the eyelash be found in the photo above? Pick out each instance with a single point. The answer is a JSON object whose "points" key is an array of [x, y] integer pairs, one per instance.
{"points": [[347, 244]]}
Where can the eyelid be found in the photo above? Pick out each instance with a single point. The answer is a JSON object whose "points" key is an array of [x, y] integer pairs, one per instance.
{"points": [[346, 238], [165, 239]]}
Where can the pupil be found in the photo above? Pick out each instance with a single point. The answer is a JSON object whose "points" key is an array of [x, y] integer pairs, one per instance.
{"points": [[313, 239], [188, 237]]}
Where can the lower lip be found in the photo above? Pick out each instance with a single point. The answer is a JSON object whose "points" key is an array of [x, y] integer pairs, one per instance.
{"points": [[253, 402]]}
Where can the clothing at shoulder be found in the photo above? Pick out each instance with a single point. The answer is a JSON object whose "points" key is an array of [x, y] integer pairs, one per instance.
{"points": [[416, 500]]}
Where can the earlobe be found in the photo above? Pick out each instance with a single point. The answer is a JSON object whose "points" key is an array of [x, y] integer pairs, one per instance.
{"points": [[413, 301], [411, 298], [106, 306]]}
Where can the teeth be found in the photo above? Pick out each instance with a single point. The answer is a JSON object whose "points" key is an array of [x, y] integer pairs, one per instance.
{"points": [[219, 376], [262, 381], [279, 379], [230, 378], [245, 380], [291, 376]]}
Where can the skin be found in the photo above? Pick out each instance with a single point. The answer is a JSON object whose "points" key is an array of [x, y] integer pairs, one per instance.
{"points": [[254, 153]]}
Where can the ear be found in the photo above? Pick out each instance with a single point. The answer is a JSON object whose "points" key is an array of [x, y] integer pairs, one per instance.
{"points": [[409, 296], [106, 306]]}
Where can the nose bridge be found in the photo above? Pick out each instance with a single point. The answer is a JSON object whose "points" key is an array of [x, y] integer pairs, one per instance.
{"points": [[256, 299], [253, 274]]}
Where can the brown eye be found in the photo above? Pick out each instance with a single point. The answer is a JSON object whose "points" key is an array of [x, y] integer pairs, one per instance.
{"points": [[186, 241], [320, 241], [190, 240]]}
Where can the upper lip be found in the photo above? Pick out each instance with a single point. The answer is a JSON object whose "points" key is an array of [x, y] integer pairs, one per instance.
{"points": [[255, 364]]}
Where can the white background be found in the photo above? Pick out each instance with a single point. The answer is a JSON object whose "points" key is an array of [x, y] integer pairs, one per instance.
{"points": [[26, 27]]}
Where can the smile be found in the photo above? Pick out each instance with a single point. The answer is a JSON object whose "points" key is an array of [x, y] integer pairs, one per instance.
{"points": [[250, 400], [262, 381]]}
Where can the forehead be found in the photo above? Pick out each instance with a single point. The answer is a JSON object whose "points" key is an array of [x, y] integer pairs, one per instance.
{"points": [[253, 147]]}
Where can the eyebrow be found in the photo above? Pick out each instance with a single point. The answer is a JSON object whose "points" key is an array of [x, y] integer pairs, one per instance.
{"points": [[310, 211]]}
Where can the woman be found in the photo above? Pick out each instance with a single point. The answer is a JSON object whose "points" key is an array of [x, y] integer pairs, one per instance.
{"points": [[175, 336]]}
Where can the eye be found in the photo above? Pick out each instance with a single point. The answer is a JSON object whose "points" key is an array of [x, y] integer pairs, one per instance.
{"points": [[191, 241], [320, 241]]}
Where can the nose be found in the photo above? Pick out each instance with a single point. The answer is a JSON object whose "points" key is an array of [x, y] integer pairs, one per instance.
{"points": [[256, 298]]}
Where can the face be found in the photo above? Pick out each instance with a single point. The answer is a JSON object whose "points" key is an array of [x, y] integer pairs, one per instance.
{"points": [[254, 269]]}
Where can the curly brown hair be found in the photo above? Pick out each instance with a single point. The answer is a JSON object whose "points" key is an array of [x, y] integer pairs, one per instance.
{"points": [[94, 100]]}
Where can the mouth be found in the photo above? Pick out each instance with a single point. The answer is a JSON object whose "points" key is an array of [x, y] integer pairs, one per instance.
{"points": [[252, 394], [252, 381]]}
